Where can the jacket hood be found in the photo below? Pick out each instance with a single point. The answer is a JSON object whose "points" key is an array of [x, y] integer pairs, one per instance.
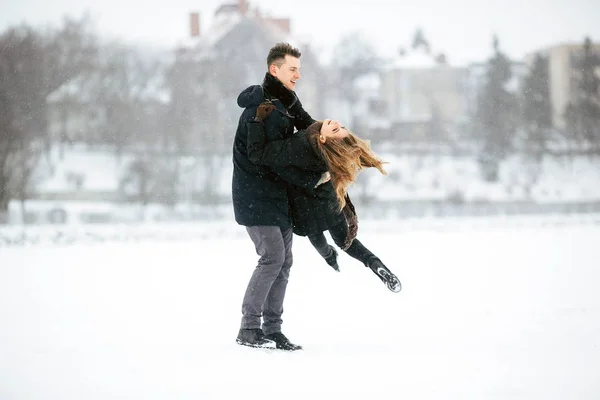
{"points": [[252, 96]]}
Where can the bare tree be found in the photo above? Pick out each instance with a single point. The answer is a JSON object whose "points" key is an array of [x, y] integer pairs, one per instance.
{"points": [[536, 106], [136, 183], [183, 81], [583, 112], [150, 180], [354, 57], [9, 138], [497, 112], [126, 90], [21, 80], [33, 64]]}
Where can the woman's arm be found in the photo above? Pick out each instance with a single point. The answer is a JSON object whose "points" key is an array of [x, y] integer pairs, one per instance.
{"points": [[302, 119], [296, 151]]}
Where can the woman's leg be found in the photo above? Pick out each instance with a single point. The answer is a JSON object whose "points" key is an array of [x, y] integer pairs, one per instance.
{"points": [[326, 251], [356, 250], [319, 242], [364, 255]]}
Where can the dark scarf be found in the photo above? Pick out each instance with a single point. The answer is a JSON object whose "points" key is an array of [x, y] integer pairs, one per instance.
{"points": [[275, 89]]}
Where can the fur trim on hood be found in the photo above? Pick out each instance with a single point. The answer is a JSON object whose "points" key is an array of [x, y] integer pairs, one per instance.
{"points": [[275, 89]]}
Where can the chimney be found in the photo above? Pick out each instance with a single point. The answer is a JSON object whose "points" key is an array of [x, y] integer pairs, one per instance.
{"points": [[243, 7], [195, 24], [282, 23]]}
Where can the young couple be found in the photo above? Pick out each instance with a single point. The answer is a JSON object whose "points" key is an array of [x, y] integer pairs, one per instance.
{"points": [[290, 175]]}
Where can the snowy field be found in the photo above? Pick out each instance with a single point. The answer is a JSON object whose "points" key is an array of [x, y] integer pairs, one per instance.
{"points": [[488, 311]]}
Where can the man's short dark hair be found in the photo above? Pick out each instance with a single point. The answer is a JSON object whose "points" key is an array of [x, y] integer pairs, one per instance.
{"points": [[279, 51]]}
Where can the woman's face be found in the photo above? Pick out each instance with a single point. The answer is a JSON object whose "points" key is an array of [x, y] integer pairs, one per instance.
{"points": [[340, 134], [332, 130]]}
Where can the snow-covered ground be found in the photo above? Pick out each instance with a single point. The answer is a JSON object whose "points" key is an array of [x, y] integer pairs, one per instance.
{"points": [[504, 310]]}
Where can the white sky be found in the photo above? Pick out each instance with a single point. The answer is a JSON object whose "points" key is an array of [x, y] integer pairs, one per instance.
{"points": [[461, 28]]}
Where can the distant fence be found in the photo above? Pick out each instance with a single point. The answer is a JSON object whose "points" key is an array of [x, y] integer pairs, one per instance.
{"points": [[59, 213], [403, 210], [92, 234]]}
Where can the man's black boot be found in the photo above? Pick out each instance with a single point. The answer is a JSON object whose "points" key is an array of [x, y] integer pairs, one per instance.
{"points": [[283, 343], [253, 338]]}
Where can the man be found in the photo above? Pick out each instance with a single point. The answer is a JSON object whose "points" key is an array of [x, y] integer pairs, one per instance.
{"points": [[260, 199]]}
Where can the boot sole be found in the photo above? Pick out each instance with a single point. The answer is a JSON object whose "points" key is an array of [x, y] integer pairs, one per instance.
{"points": [[268, 344], [391, 281], [298, 348]]}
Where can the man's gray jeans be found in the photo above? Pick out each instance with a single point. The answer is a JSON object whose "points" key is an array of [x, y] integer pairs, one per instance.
{"points": [[266, 289]]}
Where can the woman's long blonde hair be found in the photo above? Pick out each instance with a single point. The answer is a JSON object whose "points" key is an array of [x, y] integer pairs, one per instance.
{"points": [[345, 159]]}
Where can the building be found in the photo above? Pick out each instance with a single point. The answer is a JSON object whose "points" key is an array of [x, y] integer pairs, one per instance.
{"points": [[192, 106], [122, 98], [423, 96], [563, 64], [222, 60]]}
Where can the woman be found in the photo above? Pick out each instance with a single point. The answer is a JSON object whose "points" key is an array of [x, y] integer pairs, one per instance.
{"points": [[327, 207]]}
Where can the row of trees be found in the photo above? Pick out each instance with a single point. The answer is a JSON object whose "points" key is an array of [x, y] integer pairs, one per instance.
{"points": [[34, 64], [506, 120], [65, 85]]}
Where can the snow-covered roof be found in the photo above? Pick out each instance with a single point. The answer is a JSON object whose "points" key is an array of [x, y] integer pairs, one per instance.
{"points": [[99, 170], [203, 47], [414, 59], [221, 26], [276, 32], [369, 82], [73, 89], [84, 89], [477, 74]]}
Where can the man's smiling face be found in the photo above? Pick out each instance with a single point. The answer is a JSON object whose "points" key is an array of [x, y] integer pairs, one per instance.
{"points": [[287, 73]]}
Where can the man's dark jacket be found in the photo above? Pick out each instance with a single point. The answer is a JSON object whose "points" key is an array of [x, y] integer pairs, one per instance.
{"points": [[259, 192], [313, 210]]}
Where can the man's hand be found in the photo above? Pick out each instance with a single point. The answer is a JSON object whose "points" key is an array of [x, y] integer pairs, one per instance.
{"points": [[263, 111]]}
